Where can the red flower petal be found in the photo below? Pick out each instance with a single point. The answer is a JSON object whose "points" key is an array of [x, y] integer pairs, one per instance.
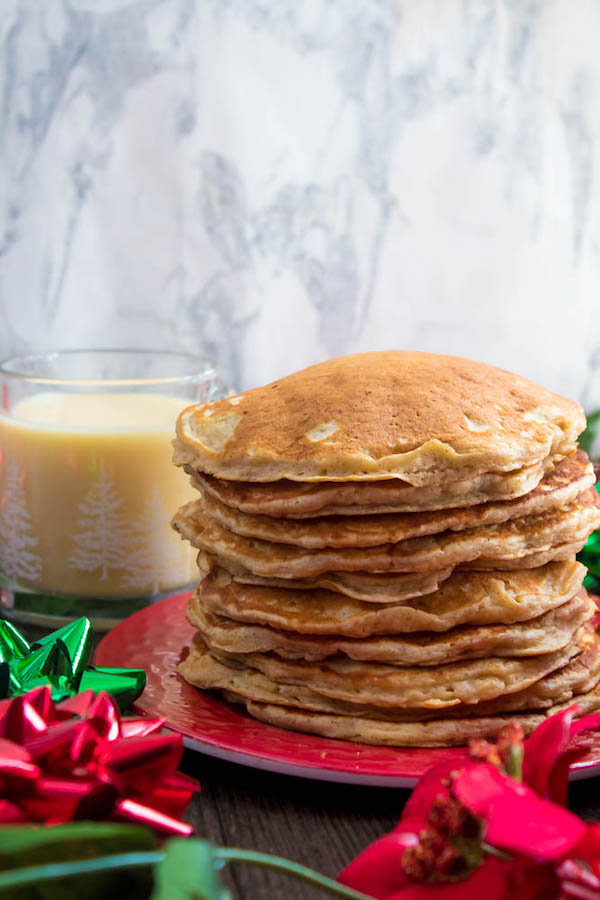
{"points": [[588, 848], [577, 880], [585, 723], [515, 818], [543, 749], [549, 752], [378, 871], [430, 786], [491, 881], [558, 787]]}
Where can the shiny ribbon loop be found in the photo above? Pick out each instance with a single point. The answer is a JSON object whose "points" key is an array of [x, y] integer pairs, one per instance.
{"points": [[78, 760], [60, 662]]}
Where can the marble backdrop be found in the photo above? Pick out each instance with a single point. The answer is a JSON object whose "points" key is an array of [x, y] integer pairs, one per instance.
{"points": [[272, 182]]}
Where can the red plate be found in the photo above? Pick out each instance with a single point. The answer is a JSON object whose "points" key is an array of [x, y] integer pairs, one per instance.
{"points": [[154, 639]]}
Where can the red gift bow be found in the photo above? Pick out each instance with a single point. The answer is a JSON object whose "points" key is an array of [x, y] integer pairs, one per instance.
{"points": [[79, 760], [546, 852]]}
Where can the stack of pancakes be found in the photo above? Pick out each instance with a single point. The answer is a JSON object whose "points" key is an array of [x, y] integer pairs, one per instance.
{"points": [[387, 549]]}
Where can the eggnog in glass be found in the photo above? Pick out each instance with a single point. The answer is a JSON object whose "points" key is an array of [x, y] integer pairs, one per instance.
{"points": [[87, 486]]}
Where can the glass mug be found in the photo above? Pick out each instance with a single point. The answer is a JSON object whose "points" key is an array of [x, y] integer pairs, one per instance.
{"points": [[87, 486]]}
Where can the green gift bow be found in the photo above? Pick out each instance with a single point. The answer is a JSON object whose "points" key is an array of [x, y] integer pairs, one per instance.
{"points": [[60, 660]]}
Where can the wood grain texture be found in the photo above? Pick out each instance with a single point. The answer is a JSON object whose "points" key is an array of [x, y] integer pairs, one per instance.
{"points": [[318, 824]]}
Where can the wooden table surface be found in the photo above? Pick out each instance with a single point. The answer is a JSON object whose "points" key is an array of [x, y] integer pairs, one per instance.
{"points": [[312, 822], [321, 825]]}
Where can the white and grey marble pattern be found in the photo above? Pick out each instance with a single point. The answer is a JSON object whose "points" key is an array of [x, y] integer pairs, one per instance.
{"points": [[272, 182]]}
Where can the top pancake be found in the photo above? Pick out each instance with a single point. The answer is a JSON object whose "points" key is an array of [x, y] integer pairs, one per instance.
{"points": [[419, 417]]}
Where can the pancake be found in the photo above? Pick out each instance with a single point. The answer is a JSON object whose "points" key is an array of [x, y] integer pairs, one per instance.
{"points": [[243, 684], [409, 687], [465, 599], [422, 418], [298, 500], [388, 587], [434, 733], [485, 547], [561, 486], [551, 631], [203, 669], [530, 560], [360, 585]]}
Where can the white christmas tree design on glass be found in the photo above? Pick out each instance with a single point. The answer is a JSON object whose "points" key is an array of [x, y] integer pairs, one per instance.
{"points": [[101, 531], [16, 540], [152, 563]]}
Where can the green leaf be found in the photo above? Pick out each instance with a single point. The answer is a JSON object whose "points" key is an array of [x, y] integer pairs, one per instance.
{"points": [[189, 871], [592, 584], [24, 847], [288, 867], [94, 835], [590, 557], [588, 438]]}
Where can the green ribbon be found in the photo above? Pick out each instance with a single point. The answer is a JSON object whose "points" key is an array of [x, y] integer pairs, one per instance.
{"points": [[60, 660]]}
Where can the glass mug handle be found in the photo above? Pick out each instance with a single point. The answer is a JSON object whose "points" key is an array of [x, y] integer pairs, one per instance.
{"points": [[218, 389]]}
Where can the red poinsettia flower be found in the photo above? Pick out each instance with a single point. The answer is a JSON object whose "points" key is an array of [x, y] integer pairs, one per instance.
{"points": [[473, 829]]}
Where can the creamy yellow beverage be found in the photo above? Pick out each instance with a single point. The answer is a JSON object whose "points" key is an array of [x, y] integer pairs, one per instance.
{"points": [[87, 489]]}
